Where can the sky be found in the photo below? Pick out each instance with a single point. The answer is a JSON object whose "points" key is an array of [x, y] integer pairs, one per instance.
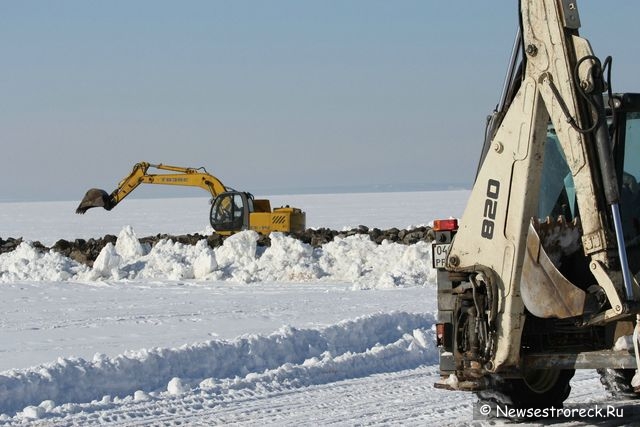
{"points": [[272, 97]]}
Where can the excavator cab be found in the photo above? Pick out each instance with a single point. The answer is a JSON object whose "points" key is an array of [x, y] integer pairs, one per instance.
{"points": [[234, 211], [230, 211]]}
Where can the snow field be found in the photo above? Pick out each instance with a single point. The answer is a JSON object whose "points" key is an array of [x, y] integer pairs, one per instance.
{"points": [[320, 369], [354, 259], [290, 357]]}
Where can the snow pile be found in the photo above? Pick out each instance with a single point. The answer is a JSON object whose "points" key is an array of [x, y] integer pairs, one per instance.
{"points": [[624, 342], [176, 386], [26, 263], [357, 259], [289, 357], [353, 259], [288, 260]]}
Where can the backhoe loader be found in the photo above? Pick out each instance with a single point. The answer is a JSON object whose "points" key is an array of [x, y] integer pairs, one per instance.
{"points": [[231, 210], [539, 277]]}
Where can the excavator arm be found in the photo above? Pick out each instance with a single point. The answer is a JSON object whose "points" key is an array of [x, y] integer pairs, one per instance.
{"points": [[139, 175], [562, 84]]}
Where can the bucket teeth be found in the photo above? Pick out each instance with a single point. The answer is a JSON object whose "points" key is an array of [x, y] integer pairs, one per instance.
{"points": [[558, 236], [552, 225]]}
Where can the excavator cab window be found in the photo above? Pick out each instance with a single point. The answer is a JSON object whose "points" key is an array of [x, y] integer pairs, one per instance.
{"points": [[626, 143], [557, 190], [230, 212], [630, 177]]}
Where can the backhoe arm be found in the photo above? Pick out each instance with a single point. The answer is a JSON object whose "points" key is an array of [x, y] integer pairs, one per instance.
{"points": [[561, 83], [139, 175]]}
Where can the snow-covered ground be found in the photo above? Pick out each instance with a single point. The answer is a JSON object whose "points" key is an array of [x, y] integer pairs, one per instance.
{"points": [[242, 335]]}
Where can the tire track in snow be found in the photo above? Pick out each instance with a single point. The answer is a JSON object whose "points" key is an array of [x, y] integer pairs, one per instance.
{"points": [[405, 397], [586, 387], [291, 358]]}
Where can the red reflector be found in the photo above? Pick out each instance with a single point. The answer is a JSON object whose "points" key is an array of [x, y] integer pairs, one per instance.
{"points": [[445, 224], [439, 334]]}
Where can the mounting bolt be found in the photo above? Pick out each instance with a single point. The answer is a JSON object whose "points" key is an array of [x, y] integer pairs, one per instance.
{"points": [[587, 86], [498, 147], [531, 50], [454, 260], [618, 309]]}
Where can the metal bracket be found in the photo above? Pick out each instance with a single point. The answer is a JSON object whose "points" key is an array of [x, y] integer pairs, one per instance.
{"points": [[618, 309], [594, 242], [604, 280], [570, 15]]}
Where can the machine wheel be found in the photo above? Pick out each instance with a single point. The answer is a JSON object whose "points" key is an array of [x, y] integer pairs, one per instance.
{"points": [[618, 382], [540, 388]]}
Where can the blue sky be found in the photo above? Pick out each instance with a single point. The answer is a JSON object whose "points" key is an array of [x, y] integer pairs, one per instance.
{"points": [[269, 96]]}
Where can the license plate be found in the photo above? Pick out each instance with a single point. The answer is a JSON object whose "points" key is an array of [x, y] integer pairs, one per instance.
{"points": [[439, 254]]}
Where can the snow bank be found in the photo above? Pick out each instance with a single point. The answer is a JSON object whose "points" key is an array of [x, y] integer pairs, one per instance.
{"points": [[26, 263], [369, 265], [289, 357], [353, 259]]}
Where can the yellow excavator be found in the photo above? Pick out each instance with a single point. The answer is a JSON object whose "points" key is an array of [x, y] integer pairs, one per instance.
{"points": [[231, 210]]}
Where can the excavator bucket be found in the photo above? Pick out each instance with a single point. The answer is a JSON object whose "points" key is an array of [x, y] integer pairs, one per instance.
{"points": [[94, 198]]}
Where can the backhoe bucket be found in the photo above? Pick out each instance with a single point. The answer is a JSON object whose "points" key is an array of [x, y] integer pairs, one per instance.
{"points": [[94, 198]]}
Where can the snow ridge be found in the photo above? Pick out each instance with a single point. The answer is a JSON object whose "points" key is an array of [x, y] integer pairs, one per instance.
{"points": [[353, 259], [289, 357]]}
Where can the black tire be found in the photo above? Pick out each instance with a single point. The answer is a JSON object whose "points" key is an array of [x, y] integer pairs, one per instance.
{"points": [[618, 382], [543, 388]]}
